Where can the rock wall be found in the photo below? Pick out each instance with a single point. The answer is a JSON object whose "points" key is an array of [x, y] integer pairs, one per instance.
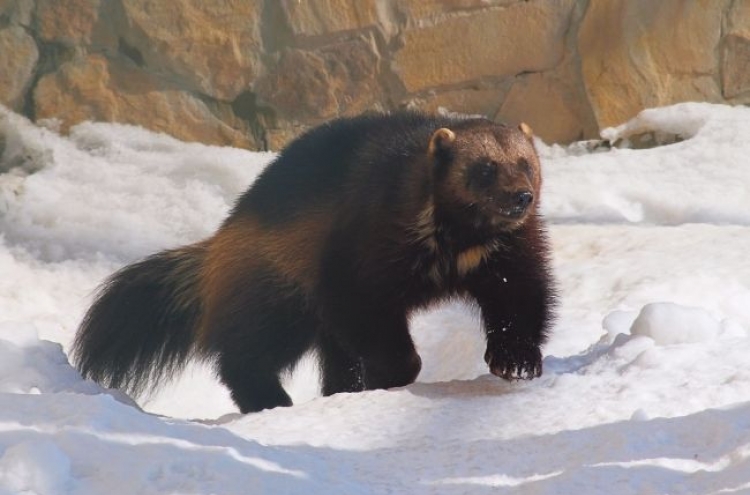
{"points": [[255, 73]]}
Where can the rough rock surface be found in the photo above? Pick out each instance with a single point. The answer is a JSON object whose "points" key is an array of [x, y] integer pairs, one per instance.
{"points": [[639, 53], [736, 53], [495, 43], [97, 88], [255, 73], [18, 59], [210, 47]]}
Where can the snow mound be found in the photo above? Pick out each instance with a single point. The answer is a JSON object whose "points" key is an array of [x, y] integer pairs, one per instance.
{"points": [[685, 121], [29, 365], [669, 323]]}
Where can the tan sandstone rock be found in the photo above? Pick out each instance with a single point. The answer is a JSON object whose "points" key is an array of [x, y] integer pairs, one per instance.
{"points": [[17, 12], [18, 57], [70, 22], [637, 54], [492, 43], [473, 101], [316, 17], [418, 12], [94, 88], [337, 79], [552, 105], [736, 54], [210, 46]]}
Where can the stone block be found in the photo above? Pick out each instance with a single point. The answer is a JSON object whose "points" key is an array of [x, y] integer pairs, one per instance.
{"points": [[735, 62], [18, 58], [492, 43], [637, 54], [319, 17], [554, 107], [98, 89], [17, 12], [338, 79], [210, 46], [71, 22]]}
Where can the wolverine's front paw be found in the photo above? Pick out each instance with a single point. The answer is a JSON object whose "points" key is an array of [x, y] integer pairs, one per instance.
{"points": [[514, 361]]}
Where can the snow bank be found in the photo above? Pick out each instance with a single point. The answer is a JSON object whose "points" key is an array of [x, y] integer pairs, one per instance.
{"points": [[684, 121], [113, 191], [620, 423], [646, 386], [703, 179]]}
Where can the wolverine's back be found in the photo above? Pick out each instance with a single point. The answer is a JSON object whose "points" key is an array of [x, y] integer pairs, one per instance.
{"points": [[325, 164]]}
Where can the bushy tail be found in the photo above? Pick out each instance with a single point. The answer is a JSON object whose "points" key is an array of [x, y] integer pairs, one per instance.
{"points": [[141, 327]]}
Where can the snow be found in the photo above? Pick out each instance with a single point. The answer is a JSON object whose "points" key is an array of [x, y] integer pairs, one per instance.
{"points": [[646, 388], [657, 320]]}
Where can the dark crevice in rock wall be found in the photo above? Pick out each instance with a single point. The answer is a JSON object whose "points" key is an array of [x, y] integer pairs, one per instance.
{"points": [[130, 52], [258, 118], [587, 119], [4, 20], [51, 56], [721, 47], [388, 41], [274, 28], [733, 53]]}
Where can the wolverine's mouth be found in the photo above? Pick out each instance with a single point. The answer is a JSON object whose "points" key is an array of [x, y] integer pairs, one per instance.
{"points": [[513, 213], [504, 218], [511, 207], [509, 219]]}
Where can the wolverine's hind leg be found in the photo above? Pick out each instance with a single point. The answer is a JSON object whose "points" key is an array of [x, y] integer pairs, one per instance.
{"points": [[260, 331], [341, 370], [366, 350], [365, 340]]}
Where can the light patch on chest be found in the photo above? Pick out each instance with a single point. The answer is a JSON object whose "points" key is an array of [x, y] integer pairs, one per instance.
{"points": [[471, 258], [438, 264]]}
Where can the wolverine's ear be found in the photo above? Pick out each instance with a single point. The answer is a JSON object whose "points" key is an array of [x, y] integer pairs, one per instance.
{"points": [[527, 131], [441, 140]]}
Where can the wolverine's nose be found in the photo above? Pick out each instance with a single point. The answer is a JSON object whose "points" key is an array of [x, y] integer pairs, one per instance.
{"points": [[521, 201]]}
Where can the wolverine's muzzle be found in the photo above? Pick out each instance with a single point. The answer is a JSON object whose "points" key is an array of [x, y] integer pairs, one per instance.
{"points": [[519, 203], [510, 206]]}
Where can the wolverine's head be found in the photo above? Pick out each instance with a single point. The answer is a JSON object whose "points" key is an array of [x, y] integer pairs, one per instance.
{"points": [[486, 174]]}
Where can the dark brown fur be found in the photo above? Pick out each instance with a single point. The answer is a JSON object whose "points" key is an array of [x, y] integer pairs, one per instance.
{"points": [[353, 227]]}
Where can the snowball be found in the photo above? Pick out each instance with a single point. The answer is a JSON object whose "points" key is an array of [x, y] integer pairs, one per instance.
{"points": [[669, 323]]}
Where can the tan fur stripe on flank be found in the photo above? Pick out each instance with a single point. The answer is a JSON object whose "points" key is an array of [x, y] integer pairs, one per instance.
{"points": [[186, 274], [239, 250]]}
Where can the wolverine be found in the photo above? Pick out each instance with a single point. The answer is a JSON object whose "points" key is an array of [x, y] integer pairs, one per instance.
{"points": [[354, 226]]}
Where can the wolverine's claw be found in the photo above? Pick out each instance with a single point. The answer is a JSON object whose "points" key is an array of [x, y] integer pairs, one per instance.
{"points": [[515, 363]]}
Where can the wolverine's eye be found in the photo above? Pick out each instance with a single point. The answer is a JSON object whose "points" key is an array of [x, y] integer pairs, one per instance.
{"points": [[524, 165], [483, 174]]}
